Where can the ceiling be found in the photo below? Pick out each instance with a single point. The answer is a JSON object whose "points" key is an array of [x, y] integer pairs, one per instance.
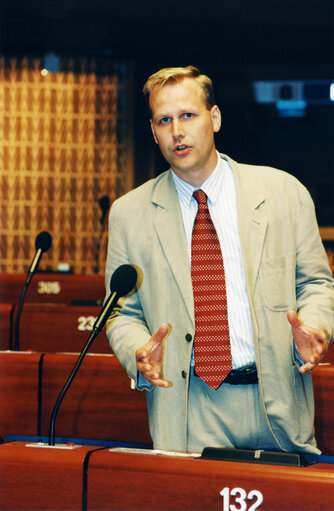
{"points": [[223, 32]]}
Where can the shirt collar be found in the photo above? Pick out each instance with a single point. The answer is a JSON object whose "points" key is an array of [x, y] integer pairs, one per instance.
{"points": [[211, 186]]}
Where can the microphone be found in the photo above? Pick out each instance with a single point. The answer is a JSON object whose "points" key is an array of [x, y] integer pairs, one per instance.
{"points": [[122, 281], [43, 242], [104, 203]]}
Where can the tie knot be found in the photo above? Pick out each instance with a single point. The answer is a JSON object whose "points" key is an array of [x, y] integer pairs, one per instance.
{"points": [[200, 196]]}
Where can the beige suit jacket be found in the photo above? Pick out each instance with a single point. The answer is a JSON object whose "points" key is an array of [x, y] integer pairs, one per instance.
{"points": [[285, 267]]}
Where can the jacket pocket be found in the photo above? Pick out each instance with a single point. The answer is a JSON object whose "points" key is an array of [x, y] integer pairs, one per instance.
{"points": [[278, 282]]}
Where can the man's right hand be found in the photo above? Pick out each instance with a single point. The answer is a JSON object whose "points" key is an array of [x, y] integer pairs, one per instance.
{"points": [[149, 358]]}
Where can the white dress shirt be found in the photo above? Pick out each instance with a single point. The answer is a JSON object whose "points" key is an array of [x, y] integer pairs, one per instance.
{"points": [[220, 190]]}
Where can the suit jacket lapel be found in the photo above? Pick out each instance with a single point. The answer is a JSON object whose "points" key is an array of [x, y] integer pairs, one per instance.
{"points": [[170, 231], [252, 223]]}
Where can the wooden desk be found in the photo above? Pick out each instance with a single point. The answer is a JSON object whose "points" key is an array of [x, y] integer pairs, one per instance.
{"points": [[6, 325], [60, 328], [99, 404], [39, 479], [150, 483], [323, 384], [52, 287], [19, 380]]}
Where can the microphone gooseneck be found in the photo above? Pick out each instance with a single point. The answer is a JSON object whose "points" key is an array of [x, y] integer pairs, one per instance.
{"points": [[122, 281], [43, 242]]}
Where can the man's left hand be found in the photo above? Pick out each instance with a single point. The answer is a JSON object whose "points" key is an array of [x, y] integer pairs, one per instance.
{"points": [[311, 343]]}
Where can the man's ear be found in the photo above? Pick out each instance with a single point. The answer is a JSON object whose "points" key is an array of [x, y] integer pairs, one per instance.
{"points": [[153, 133], [216, 118]]}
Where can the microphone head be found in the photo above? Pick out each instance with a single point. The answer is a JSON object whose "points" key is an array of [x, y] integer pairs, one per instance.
{"points": [[43, 241], [104, 203], [123, 280]]}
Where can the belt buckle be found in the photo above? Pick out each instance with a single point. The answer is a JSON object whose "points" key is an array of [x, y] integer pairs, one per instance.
{"points": [[244, 377]]}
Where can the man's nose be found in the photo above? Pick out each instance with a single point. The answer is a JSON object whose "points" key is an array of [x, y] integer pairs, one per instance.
{"points": [[177, 129]]}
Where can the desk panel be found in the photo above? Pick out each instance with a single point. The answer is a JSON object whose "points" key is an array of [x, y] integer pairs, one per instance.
{"points": [[329, 357], [19, 378], [52, 287], [6, 318], [150, 483], [323, 384], [99, 404], [60, 328], [34, 479]]}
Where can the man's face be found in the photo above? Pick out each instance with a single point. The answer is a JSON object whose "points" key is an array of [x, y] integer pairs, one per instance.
{"points": [[184, 129]]}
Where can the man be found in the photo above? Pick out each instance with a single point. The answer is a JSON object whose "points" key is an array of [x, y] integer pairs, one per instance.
{"points": [[280, 295]]}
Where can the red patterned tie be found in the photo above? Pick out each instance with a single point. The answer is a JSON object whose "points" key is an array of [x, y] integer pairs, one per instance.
{"points": [[212, 340]]}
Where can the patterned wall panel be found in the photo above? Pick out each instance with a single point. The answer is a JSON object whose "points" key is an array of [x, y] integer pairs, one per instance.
{"points": [[60, 152]]}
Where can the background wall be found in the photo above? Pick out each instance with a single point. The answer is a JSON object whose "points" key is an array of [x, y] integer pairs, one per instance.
{"points": [[61, 150], [236, 42]]}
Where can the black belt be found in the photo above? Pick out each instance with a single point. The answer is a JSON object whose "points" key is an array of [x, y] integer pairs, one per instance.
{"points": [[243, 376]]}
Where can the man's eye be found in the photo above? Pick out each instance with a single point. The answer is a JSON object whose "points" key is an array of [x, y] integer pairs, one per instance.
{"points": [[187, 115], [164, 120]]}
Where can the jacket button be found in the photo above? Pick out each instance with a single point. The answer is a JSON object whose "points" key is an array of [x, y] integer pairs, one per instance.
{"points": [[189, 337], [184, 374]]}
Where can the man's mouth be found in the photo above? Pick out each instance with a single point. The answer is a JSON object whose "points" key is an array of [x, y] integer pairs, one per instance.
{"points": [[181, 148]]}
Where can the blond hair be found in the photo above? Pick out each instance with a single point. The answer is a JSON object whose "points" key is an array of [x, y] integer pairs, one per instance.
{"points": [[170, 75]]}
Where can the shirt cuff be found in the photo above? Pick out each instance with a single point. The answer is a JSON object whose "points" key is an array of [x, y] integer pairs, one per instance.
{"points": [[143, 384]]}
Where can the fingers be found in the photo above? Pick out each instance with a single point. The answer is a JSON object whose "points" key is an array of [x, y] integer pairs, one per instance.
{"points": [[321, 336], [152, 376], [310, 365], [143, 362], [306, 368], [142, 355], [159, 382], [149, 358], [315, 359]]}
